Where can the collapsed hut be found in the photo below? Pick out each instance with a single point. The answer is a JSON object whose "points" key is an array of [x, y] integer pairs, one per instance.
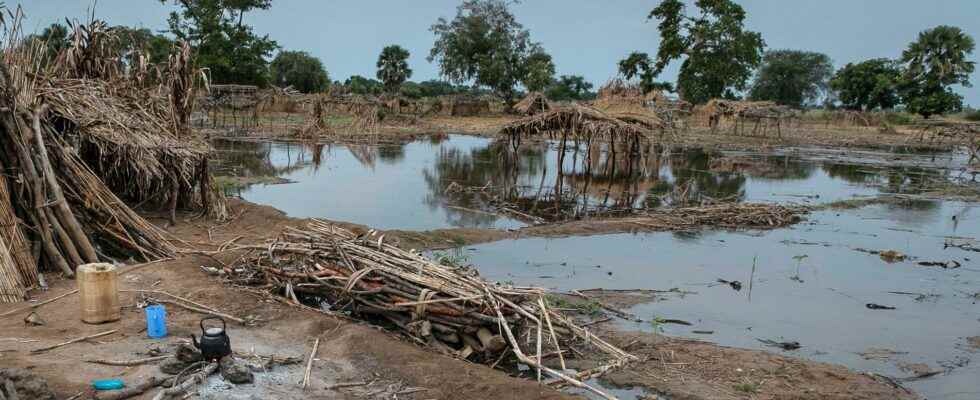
{"points": [[464, 106], [957, 133], [627, 99], [763, 114], [449, 308], [80, 140], [533, 103], [231, 106]]}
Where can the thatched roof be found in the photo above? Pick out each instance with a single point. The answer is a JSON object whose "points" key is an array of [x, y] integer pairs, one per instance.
{"points": [[533, 103], [578, 121]]}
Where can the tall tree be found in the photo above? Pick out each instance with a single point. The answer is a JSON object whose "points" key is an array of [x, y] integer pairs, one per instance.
{"points": [[792, 77], [867, 85], [720, 53], [393, 67], [361, 85], [223, 44], [570, 87], [540, 71], [300, 70], [484, 44], [938, 59], [639, 65], [141, 40]]}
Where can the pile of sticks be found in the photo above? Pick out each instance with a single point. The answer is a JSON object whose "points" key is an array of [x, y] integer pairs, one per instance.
{"points": [[725, 215], [448, 308]]}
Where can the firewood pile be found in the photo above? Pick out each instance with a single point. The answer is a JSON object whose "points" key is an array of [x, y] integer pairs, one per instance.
{"points": [[445, 307]]}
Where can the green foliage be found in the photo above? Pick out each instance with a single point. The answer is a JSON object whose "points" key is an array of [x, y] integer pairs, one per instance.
{"points": [[657, 323], [639, 65], [972, 115], [141, 40], [300, 70], [720, 54], [455, 260], [486, 45], [361, 85], [54, 38], [747, 387], [540, 71], [791, 77], [393, 67], [590, 307], [867, 85], [938, 59], [230, 50], [570, 87]]}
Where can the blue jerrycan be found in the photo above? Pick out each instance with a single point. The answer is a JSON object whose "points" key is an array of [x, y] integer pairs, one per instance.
{"points": [[156, 321]]}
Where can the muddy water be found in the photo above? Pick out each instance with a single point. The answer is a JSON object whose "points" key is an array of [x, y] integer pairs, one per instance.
{"points": [[405, 186], [812, 282], [820, 301]]}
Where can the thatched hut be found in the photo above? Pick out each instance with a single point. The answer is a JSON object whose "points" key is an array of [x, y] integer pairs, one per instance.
{"points": [[464, 106], [533, 103], [84, 140], [580, 123]]}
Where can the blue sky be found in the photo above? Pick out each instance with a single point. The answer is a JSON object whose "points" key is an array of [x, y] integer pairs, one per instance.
{"points": [[585, 37]]}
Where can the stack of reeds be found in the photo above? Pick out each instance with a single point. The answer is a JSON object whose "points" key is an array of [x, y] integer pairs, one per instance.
{"points": [[80, 137], [449, 308]]}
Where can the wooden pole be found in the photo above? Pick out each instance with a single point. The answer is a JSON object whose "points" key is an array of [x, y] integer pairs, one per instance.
{"points": [[69, 222]]}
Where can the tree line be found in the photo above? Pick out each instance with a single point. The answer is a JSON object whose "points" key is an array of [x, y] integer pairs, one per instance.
{"points": [[484, 49]]}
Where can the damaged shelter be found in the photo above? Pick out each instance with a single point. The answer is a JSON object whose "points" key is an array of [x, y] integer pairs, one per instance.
{"points": [[82, 136]]}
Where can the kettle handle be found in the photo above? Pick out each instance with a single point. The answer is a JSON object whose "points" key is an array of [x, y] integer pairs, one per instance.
{"points": [[223, 326]]}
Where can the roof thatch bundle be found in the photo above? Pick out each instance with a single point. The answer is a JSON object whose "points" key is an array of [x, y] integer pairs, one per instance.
{"points": [[579, 122], [465, 106], [619, 88], [81, 137], [532, 104]]}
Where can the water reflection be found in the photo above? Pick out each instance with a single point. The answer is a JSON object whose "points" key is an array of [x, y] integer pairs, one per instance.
{"points": [[464, 181]]}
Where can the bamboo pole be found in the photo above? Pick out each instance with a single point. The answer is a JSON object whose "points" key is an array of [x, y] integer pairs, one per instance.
{"points": [[69, 222]]}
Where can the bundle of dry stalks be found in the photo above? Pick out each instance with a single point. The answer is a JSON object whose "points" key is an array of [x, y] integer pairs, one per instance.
{"points": [[77, 133], [449, 308], [724, 215]]}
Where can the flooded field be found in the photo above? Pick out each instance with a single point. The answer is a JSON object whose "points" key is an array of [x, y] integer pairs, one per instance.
{"points": [[824, 283]]}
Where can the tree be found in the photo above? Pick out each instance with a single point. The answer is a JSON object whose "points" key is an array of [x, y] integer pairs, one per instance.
{"points": [[393, 67], [485, 44], [867, 85], [300, 70], [222, 43], [639, 65], [361, 85], [937, 60], [792, 77], [133, 41], [540, 71], [570, 87], [720, 54], [53, 39]]}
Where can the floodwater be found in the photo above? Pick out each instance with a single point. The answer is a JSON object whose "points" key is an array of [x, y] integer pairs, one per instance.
{"points": [[812, 282], [405, 186]]}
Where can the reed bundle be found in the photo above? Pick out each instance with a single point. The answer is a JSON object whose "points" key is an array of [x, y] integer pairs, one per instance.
{"points": [[81, 136], [449, 308], [724, 215]]}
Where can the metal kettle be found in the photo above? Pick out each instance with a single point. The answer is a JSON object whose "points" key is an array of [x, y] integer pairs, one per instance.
{"points": [[215, 342]]}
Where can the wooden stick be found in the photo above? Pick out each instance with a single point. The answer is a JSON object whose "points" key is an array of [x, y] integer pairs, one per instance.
{"points": [[343, 385], [204, 311], [309, 364], [33, 306], [194, 380], [131, 391], [554, 337], [128, 363], [43, 349]]}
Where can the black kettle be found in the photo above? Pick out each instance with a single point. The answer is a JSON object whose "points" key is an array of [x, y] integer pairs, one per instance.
{"points": [[215, 342]]}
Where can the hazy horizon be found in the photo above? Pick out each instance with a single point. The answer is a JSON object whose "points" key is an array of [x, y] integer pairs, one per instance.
{"points": [[584, 37]]}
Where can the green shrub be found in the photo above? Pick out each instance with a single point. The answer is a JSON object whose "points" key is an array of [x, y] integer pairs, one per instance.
{"points": [[897, 118]]}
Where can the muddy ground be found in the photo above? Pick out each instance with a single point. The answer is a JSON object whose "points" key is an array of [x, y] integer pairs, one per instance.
{"points": [[378, 363]]}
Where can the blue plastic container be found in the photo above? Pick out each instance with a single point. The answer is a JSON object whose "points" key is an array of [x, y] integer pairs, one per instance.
{"points": [[156, 321], [108, 384]]}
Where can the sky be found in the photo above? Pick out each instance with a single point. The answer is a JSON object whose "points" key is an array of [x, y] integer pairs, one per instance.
{"points": [[584, 37]]}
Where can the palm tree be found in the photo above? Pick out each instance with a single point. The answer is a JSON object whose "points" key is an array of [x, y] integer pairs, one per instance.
{"points": [[393, 67], [939, 56], [937, 60]]}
